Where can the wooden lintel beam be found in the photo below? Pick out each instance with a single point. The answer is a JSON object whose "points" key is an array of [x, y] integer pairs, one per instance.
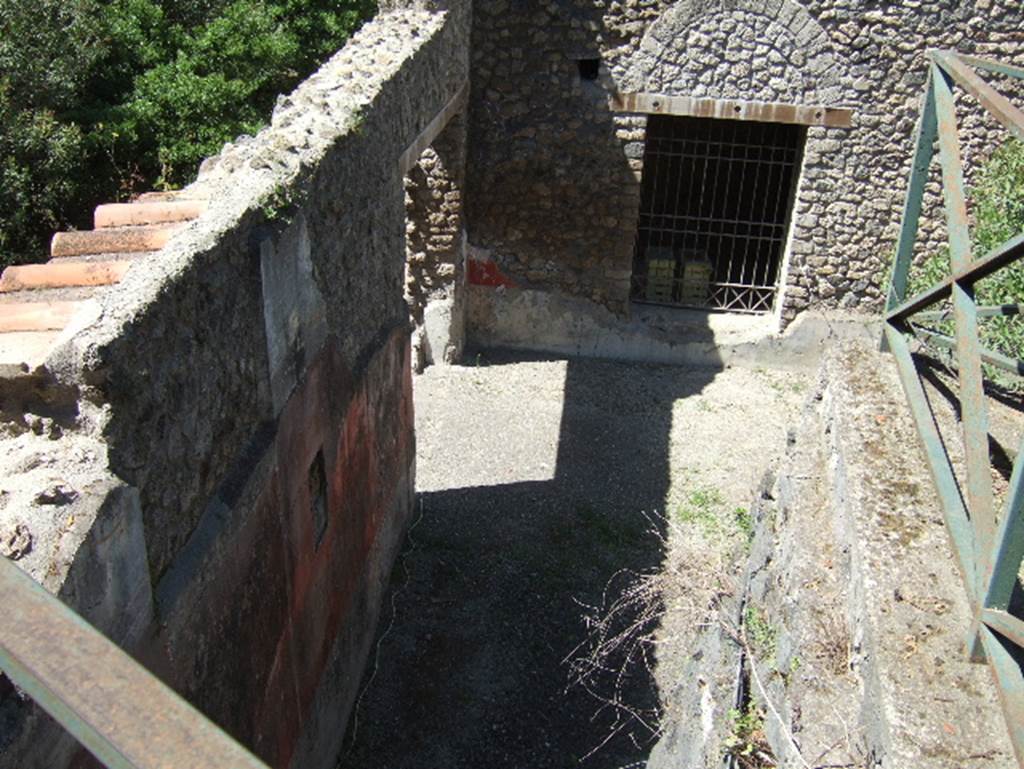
{"points": [[437, 124], [731, 109]]}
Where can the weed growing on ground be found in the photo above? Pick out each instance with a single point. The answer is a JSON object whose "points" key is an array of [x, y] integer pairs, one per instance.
{"points": [[760, 632], [782, 382], [703, 508], [833, 643], [641, 613], [747, 742], [643, 616], [745, 523]]}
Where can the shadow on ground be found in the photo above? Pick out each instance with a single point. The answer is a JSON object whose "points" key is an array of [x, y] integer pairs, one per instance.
{"points": [[487, 596]]}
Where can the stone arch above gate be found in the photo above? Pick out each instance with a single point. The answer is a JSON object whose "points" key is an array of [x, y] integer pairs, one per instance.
{"points": [[761, 50]]}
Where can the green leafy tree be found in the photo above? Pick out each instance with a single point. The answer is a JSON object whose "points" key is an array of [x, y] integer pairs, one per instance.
{"points": [[40, 160], [101, 98], [46, 51]]}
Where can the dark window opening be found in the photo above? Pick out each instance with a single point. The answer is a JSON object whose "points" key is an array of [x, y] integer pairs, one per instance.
{"points": [[318, 496], [714, 212], [589, 68]]}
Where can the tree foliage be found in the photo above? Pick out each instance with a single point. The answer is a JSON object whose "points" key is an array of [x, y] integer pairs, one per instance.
{"points": [[102, 98], [999, 215], [997, 208]]}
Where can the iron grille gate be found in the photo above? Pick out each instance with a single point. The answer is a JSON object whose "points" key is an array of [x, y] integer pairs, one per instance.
{"points": [[714, 212]]}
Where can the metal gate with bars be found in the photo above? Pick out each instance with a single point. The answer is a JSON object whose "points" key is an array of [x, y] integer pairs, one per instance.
{"points": [[714, 212]]}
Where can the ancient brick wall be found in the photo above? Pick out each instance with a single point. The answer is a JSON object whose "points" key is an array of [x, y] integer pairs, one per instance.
{"points": [[554, 182]]}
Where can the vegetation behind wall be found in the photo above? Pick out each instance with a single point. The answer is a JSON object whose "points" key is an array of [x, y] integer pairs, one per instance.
{"points": [[997, 208], [103, 98]]}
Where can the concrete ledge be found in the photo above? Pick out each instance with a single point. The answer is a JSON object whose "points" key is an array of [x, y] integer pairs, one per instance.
{"points": [[541, 321]]}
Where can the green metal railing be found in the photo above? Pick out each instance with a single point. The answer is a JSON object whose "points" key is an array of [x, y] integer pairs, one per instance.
{"points": [[121, 713], [989, 547]]}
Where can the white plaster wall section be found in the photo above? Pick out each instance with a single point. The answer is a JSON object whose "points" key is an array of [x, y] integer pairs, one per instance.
{"points": [[110, 582], [293, 308]]}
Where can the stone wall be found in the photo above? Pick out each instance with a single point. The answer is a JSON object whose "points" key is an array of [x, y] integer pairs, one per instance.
{"points": [[552, 196], [851, 615], [554, 175], [435, 247], [247, 395]]}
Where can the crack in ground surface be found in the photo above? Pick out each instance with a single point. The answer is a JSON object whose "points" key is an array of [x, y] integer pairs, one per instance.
{"points": [[535, 479]]}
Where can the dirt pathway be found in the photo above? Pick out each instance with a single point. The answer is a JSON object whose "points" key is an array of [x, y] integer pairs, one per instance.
{"points": [[537, 482]]}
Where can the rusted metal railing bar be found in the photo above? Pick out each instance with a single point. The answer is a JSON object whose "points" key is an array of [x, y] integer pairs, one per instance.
{"points": [[993, 66], [973, 407], [924, 151], [989, 311], [993, 358], [1005, 624], [920, 301], [954, 511], [1001, 108], [995, 260], [1010, 541], [999, 257], [120, 712], [1010, 685]]}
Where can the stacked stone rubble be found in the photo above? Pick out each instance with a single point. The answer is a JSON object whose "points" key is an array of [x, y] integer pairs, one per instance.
{"points": [[435, 247]]}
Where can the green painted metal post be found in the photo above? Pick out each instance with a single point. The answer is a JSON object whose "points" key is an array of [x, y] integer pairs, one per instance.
{"points": [[958, 524], [924, 151], [997, 105], [1000, 68], [1010, 685], [1010, 542], [974, 410], [989, 560], [119, 711]]}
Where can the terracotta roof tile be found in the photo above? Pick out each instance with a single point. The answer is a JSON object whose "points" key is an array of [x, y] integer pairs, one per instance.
{"points": [[56, 274], [38, 301], [107, 241], [130, 214]]}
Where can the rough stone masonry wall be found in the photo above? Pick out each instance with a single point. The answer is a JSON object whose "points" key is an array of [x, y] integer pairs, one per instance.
{"points": [[554, 184], [248, 392], [435, 247]]}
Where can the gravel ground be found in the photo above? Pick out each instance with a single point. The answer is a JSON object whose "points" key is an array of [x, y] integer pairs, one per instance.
{"points": [[537, 479]]}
